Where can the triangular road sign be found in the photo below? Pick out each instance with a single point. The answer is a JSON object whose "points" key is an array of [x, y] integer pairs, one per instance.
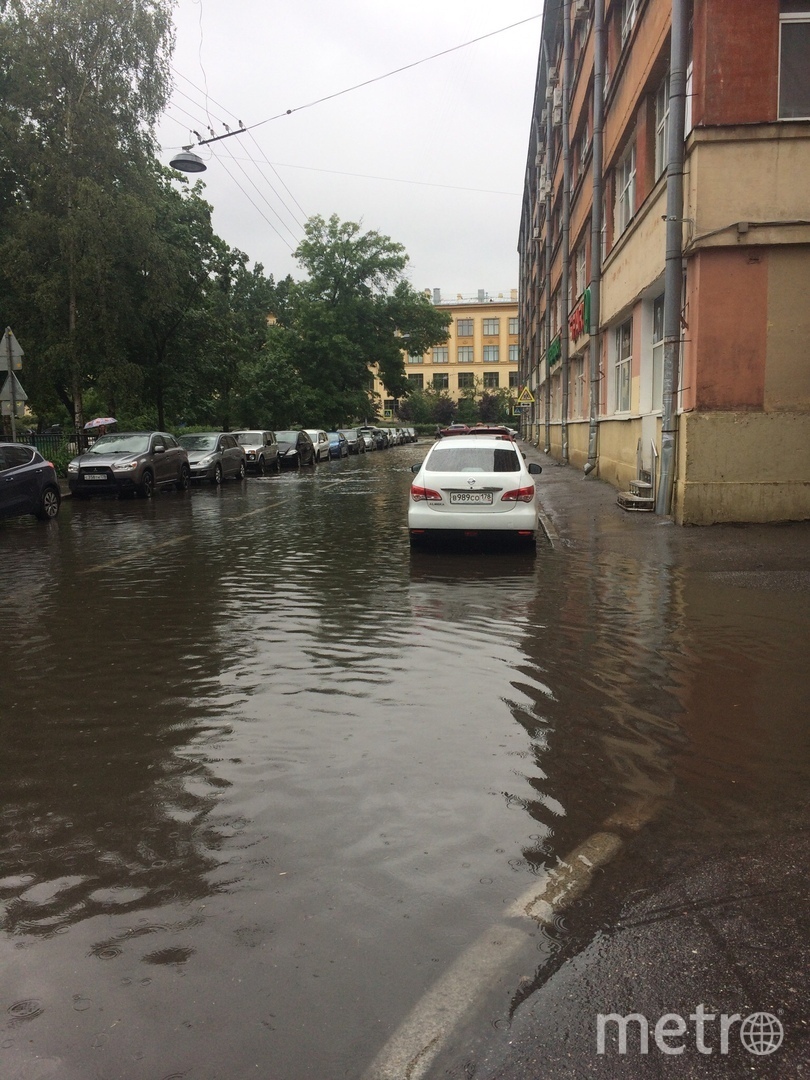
{"points": [[525, 397], [19, 393]]}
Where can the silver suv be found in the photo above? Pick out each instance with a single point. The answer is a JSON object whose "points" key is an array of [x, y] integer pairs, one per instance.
{"points": [[261, 450], [134, 461]]}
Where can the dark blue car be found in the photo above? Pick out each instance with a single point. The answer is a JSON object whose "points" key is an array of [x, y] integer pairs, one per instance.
{"points": [[338, 444], [28, 483]]}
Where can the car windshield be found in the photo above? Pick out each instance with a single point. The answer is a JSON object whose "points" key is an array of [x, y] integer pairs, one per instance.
{"points": [[120, 444], [333, 436], [248, 438], [287, 436], [473, 459], [198, 442]]}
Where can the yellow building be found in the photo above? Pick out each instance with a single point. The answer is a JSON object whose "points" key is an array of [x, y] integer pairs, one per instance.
{"points": [[481, 352]]}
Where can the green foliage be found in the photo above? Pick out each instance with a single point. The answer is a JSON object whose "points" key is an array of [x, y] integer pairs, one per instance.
{"points": [[352, 312]]}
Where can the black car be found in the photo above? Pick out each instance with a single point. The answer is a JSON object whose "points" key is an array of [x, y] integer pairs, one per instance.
{"points": [[28, 483], [354, 439], [295, 448]]}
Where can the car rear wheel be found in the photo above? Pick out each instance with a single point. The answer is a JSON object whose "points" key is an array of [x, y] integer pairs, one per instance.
{"points": [[217, 477], [260, 469], [48, 504], [184, 482], [147, 488]]}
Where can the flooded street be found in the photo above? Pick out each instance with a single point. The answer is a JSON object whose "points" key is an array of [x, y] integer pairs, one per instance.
{"points": [[266, 775]]}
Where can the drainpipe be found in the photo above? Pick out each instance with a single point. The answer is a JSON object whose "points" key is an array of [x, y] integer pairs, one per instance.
{"points": [[673, 271], [597, 150], [548, 253], [566, 223]]}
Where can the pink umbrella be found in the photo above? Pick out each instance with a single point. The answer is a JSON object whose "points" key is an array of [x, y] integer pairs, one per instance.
{"points": [[100, 421]]}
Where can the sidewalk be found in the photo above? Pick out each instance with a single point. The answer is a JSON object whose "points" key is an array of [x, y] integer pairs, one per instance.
{"points": [[580, 507]]}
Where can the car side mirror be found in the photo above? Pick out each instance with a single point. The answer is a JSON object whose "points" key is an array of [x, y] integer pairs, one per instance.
{"points": [[534, 468], [160, 449], [415, 468]]}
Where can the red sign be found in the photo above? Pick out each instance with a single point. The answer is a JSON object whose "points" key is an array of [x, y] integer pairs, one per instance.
{"points": [[576, 321]]}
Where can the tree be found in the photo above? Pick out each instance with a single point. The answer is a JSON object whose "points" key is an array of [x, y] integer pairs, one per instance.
{"points": [[355, 310], [82, 86]]}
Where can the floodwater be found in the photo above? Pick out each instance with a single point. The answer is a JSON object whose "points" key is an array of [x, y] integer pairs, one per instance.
{"points": [[265, 774]]}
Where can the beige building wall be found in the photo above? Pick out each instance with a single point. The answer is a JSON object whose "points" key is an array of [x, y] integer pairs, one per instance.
{"points": [[481, 347]]}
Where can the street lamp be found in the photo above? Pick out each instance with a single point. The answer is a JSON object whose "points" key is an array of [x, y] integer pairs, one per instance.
{"points": [[186, 161]]}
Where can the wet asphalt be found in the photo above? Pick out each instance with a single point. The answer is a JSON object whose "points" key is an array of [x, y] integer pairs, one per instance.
{"points": [[269, 777]]}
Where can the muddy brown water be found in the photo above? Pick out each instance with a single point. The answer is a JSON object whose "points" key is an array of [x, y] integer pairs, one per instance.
{"points": [[265, 774]]}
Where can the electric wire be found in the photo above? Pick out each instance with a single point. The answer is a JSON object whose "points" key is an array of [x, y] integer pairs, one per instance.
{"points": [[389, 74], [250, 158], [224, 165]]}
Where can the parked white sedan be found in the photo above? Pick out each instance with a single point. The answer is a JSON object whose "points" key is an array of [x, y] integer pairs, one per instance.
{"points": [[473, 485], [320, 440]]}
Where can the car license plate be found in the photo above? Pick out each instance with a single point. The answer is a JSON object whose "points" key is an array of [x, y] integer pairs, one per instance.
{"points": [[474, 497], [95, 476]]}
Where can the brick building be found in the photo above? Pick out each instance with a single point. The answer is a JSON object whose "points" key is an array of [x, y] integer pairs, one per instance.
{"points": [[710, 393]]}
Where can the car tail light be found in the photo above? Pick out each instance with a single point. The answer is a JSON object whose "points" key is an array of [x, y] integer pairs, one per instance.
{"points": [[523, 494], [423, 494]]}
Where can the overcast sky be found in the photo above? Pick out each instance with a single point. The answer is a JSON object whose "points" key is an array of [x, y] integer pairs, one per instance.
{"points": [[433, 156]]}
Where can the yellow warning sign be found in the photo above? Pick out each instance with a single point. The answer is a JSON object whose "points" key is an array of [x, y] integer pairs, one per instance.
{"points": [[525, 397]]}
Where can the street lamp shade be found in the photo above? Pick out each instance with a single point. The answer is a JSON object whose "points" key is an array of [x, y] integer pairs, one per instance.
{"points": [[186, 161]]}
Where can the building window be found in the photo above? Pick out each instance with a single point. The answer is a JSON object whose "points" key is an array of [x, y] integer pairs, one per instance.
{"points": [[625, 190], [390, 406], [578, 372], [441, 380], [658, 353], [794, 70], [514, 380], [514, 354], [514, 325], [624, 354], [662, 127], [416, 358], [417, 381], [492, 354], [466, 380], [491, 380], [441, 355], [464, 328], [492, 327], [465, 354], [628, 18], [581, 278]]}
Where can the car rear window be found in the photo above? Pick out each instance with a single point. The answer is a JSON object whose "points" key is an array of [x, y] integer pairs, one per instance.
{"points": [[473, 459]]}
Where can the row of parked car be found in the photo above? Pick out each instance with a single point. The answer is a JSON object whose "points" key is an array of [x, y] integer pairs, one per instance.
{"points": [[125, 463]]}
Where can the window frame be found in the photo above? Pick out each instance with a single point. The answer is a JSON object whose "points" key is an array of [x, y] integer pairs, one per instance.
{"points": [[468, 356], [492, 380], [657, 362], [463, 323], [466, 380], [622, 366], [624, 207], [788, 18], [492, 354], [489, 323], [441, 380], [661, 128], [440, 354], [417, 380]]}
